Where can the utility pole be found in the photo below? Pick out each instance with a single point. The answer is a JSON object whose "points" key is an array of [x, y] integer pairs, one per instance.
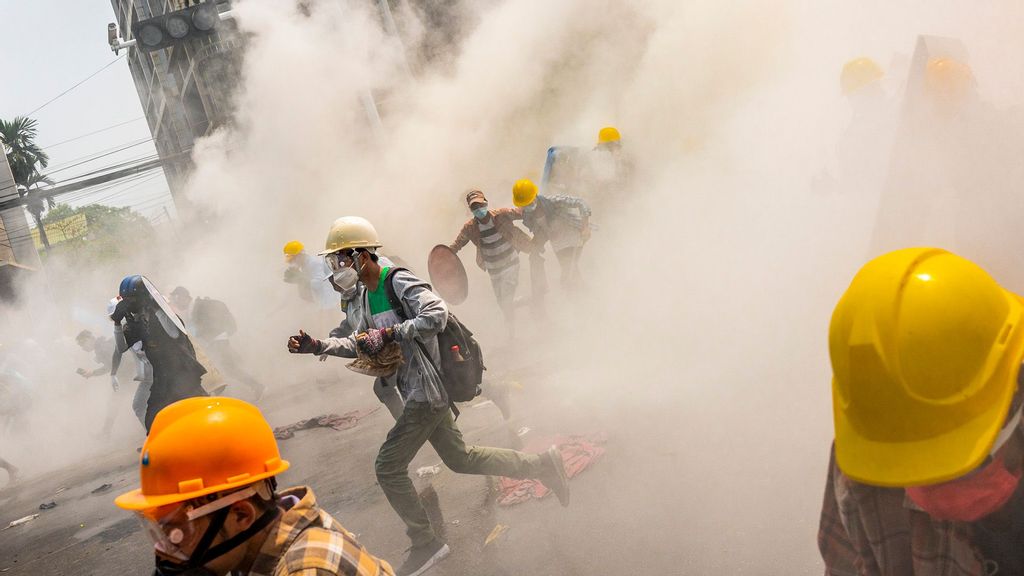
{"points": [[16, 234]]}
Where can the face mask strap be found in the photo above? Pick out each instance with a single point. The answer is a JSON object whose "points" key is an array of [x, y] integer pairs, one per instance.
{"points": [[233, 542], [199, 555]]}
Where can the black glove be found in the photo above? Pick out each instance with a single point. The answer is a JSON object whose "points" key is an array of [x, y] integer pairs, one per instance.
{"points": [[120, 311], [303, 343]]}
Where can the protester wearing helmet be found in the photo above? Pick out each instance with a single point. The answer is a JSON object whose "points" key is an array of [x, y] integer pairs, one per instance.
{"points": [[310, 276], [564, 221], [926, 353], [411, 326], [208, 500], [144, 315]]}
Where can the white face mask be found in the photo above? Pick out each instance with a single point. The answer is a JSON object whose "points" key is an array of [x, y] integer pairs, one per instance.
{"points": [[344, 282]]}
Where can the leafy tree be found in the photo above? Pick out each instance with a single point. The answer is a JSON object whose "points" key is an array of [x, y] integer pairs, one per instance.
{"points": [[108, 234], [27, 159]]}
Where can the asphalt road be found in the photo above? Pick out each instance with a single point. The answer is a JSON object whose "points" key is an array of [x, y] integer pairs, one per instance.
{"points": [[667, 498]]}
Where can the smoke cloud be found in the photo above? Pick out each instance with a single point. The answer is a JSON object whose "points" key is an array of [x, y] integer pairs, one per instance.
{"points": [[699, 343]]}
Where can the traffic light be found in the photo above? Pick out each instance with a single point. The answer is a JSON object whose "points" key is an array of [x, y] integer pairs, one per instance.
{"points": [[173, 27]]}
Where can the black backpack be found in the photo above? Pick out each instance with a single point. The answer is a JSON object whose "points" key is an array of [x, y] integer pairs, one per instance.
{"points": [[212, 318], [461, 378]]}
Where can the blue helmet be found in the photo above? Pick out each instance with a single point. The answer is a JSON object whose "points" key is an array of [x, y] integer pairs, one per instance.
{"points": [[130, 286]]}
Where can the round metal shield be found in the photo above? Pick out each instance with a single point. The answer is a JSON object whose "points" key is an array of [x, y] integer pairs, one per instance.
{"points": [[448, 275]]}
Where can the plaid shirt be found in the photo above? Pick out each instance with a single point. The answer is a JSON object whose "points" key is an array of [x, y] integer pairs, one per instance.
{"points": [[873, 531], [307, 542]]}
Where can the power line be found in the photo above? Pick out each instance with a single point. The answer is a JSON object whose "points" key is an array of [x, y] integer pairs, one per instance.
{"points": [[97, 156], [87, 78], [84, 160], [118, 125]]}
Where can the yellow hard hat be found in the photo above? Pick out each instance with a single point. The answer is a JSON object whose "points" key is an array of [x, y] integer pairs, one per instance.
{"points": [[608, 134], [294, 247], [948, 78], [201, 446], [925, 349], [524, 192], [858, 73], [350, 232]]}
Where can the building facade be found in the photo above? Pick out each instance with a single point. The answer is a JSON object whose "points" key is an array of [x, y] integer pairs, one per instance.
{"points": [[186, 90]]}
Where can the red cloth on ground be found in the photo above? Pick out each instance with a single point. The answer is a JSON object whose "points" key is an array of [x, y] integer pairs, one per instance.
{"points": [[343, 422], [578, 452]]}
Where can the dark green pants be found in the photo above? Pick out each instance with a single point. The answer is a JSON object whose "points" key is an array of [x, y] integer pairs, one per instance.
{"points": [[418, 424]]}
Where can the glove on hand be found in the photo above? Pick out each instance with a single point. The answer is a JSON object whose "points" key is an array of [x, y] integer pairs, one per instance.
{"points": [[373, 341], [114, 383], [303, 343]]}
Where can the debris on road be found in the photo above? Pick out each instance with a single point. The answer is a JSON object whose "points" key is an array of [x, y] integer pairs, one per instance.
{"points": [[102, 488], [578, 452], [20, 521], [426, 471], [47, 505], [496, 533], [342, 422]]}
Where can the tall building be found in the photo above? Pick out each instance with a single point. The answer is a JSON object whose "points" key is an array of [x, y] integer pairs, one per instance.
{"points": [[185, 89]]}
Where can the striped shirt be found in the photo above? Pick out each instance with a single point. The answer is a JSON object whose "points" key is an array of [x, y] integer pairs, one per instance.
{"points": [[498, 252], [307, 542]]}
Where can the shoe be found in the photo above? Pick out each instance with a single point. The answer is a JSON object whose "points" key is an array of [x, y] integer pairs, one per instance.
{"points": [[555, 477], [423, 558]]}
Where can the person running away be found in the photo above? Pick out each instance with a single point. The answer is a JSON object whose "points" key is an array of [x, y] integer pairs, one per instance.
{"points": [[210, 503], [212, 323], [498, 243], [564, 221], [427, 415], [144, 315]]}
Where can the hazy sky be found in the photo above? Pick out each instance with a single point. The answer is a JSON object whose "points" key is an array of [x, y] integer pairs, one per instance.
{"points": [[49, 46]]}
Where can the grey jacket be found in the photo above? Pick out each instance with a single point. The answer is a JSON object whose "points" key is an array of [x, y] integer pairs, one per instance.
{"points": [[427, 315]]}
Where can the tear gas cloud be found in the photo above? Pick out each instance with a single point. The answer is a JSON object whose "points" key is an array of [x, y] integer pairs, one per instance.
{"points": [[700, 342]]}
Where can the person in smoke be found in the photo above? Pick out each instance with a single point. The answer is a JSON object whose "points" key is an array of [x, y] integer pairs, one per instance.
{"points": [[212, 323], [108, 355], [427, 416], [384, 387], [144, 315], [564, 221], [14, 404], [924, 475], [210, 502], [610, 169], [498, 243], [310, 275]]}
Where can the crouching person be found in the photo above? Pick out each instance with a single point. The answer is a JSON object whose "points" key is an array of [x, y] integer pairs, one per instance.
{"points": [[209, 500]]}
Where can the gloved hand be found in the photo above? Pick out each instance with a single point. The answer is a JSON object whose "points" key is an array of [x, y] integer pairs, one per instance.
{"points": [[120, 311], [303, 343], [114, 383], [82, 372], [373, 340]]}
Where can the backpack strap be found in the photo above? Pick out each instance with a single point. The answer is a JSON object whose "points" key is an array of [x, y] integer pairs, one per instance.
{"points": [[393, 299], [396, 305]]}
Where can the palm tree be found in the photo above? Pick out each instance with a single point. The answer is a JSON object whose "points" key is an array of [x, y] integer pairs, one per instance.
{"points": [[27, 159]]}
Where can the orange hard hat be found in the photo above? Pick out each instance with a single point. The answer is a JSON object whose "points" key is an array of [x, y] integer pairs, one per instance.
{"points": [[201, 446], [948, 78]]}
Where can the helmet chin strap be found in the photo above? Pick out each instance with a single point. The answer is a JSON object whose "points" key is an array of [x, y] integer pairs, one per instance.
{"points": [[204, 554]]}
